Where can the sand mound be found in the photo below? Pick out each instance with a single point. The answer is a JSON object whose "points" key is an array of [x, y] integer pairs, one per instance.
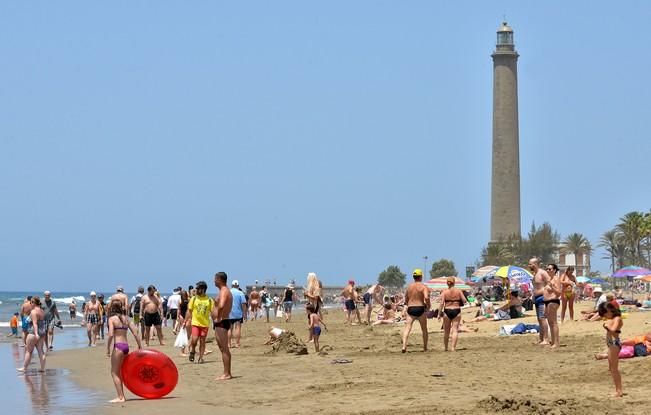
{"points": [[288, 342], [529, 406]]}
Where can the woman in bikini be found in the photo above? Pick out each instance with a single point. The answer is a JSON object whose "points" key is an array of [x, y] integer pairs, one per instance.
{"points": [[35, 335], [452, 299], [118, 326], [568, 281]]}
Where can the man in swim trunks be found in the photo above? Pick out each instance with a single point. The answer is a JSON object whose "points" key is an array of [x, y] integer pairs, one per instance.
{"points": [[373, 294], [552, 301], [254, 302], [25, 310], [93, 316], [417, 302], [51, 311], [350, 302], [220, 314], [540, 281], [151, 310]]}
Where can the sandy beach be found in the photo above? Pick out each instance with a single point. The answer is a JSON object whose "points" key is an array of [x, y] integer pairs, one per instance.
{"points": [[489, 374]]}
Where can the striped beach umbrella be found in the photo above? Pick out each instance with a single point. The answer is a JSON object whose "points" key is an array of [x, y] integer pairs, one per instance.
{"points": [[441, 283]]}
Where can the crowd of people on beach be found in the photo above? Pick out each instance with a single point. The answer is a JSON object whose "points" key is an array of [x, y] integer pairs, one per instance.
{"points": [[192, 314]]}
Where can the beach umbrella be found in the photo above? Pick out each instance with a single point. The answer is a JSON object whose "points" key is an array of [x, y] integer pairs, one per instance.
{"points": [[583, 279], [440, 284], [646, 278], [483, 271], [597, 281], [631, 271], [513, 273]]}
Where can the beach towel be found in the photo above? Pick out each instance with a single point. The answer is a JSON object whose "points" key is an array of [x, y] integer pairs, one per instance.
{"points": [[510, 329], [626, 352], [181, 339]]}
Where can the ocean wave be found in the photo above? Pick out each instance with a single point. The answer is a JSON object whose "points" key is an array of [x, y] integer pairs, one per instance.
{"points": [[68, 300]]}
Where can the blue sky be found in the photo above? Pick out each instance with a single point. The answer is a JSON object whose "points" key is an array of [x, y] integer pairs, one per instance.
{"points": [[156, 142]]}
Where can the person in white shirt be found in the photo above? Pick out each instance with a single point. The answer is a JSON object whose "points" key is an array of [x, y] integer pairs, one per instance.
{"points": [[173, 303]]}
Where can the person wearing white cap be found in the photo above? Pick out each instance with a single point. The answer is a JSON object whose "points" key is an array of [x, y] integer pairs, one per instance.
{"points": [[50, 310], [593, 315], [237, 315], [93, 314]]}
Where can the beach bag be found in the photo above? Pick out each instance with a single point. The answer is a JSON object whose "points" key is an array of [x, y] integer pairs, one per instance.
{"points": [[279, 313], [181, 339], [640, 350], [626, 352]]}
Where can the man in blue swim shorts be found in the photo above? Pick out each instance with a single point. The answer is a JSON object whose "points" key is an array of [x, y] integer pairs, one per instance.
{"points": [[350, 299], [540, 280]]}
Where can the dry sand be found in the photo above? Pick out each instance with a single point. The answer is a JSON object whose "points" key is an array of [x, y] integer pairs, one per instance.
{"points": [[489, 374]]}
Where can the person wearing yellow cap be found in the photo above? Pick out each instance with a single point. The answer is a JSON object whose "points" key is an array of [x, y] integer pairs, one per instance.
{"points": [[417, 301]]}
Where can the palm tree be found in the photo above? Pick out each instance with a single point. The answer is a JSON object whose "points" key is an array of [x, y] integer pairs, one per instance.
{"points": [[495, 254], [579, 245], [608, 241], [632, 229]]}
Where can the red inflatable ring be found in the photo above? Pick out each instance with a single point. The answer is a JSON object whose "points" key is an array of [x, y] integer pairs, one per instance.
{"points": [[149, 373]]}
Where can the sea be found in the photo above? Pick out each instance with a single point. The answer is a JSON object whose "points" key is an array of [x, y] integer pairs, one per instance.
{"points": [[55, 392]]}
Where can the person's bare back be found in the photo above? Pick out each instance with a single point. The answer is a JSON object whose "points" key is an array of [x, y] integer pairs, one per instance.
{"points": [[417, 294]]}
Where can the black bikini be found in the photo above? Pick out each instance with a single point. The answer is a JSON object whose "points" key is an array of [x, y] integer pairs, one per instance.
{"points": [[452, 313], [554, 301], [415, 311]]}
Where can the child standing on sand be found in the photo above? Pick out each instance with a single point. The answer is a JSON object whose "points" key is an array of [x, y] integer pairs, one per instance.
{"points": [[613, 329], [118, 326], [315, 325]]}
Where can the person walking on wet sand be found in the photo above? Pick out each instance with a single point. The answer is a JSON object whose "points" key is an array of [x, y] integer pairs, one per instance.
{"points": [[25, 311], [118, 327], [93, 316], [151, 309], [50, 309], [220, 314], [350, 303], [35, 335], [540, 281], [452, 299], [418, 302]]}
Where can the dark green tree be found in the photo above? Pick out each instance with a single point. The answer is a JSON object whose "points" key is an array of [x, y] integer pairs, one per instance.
{"points": [[392, 277], [443, 268]]}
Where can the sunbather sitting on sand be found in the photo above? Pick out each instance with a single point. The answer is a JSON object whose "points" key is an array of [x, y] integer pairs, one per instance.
{"points": [[388, 316], [512, 309], [593, 315]]}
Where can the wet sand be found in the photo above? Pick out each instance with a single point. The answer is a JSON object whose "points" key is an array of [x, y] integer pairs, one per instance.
{"points": [[488, 374]]}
